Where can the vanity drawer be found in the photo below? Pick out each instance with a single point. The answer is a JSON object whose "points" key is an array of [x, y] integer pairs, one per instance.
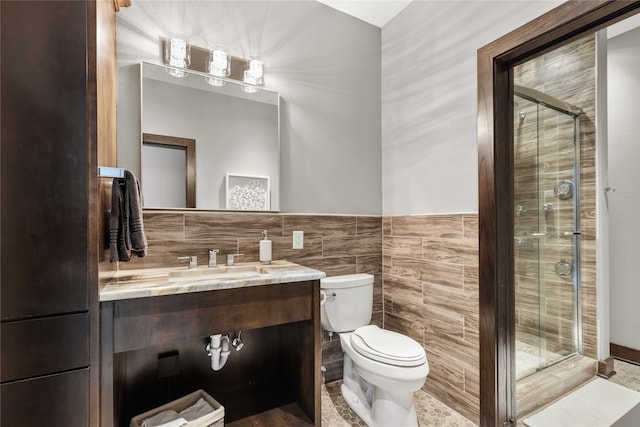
{"points": [[44, 346], [54, 401]]}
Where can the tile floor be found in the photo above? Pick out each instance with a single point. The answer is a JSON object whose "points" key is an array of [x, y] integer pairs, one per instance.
{"points": [[627, 375], [431, 412]]}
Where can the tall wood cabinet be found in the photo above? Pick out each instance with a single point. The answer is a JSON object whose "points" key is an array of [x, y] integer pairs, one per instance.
{"points": [[50, 243]]}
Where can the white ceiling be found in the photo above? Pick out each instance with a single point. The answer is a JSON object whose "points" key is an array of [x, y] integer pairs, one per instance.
{"points": [[376, 12], [379, 12]]}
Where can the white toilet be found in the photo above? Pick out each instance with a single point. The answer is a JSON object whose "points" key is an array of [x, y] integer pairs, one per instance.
{"points": [[382, 369]]}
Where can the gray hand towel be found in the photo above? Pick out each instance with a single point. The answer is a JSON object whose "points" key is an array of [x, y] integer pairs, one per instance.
{"points": [[126, 230], [133, 215], [117, 245]]}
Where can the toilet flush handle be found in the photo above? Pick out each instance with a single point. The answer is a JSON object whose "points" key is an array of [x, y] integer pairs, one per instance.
{"points": [[323, 296]]}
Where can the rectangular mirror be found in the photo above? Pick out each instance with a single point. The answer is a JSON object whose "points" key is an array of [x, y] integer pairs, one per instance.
{"points": [[233, 132]]}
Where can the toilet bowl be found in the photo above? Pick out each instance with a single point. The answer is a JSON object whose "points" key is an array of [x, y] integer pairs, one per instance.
{"points": [[382, 369]]}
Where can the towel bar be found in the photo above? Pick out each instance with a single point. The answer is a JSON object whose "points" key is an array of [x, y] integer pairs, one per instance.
{"points": [[108, 172]]}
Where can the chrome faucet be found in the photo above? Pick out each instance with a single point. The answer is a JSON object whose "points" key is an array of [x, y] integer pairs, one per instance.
{"points": [[212, 257], [230, 259], [193, 260]]}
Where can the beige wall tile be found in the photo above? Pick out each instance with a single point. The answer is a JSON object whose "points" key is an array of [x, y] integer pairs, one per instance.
{"points": [[369, 226], [429, 271], [472, 329], [452, 251], [212, 225], [351, 245], [163, 225], [371, 264], [442, 369], [404, 326], [442, 226], [412, 311], [386, 226], [447, 298], [403, 247], [471, 278], [470, 226], [457, 350], [403, 287], [443, 322], [472, 382], [319, 225], [333, 266]]}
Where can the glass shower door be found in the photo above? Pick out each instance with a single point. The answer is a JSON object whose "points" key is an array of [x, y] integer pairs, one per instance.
{"points": [[546, 234]]}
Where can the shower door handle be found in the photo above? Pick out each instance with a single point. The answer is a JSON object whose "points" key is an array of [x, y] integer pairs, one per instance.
{"points": [[530, 236]]}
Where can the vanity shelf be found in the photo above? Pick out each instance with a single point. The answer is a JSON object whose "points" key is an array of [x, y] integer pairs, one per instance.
{"points": [[278, 367]]}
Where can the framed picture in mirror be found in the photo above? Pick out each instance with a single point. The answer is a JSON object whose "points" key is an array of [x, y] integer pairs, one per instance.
{"points": [[247, 192]]}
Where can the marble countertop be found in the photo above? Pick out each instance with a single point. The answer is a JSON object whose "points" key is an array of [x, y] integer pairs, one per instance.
{"points": [[152, 282]]}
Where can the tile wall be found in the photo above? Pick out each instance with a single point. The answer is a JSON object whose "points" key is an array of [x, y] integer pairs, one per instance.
{"points": [[430, 270]]}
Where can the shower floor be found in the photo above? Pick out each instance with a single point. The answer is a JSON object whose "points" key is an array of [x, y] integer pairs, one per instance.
{"points": [[529, 359]]}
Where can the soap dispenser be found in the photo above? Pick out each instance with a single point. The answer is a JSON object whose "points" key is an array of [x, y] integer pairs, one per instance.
{"points": [[265, 249]]}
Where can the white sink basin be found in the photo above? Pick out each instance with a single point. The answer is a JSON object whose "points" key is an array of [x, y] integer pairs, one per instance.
{"points": [[238, 271], [215, 273]]}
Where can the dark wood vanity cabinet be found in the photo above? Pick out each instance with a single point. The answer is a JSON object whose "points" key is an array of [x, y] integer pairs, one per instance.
{"points": [[279, 364], [49, 250]]}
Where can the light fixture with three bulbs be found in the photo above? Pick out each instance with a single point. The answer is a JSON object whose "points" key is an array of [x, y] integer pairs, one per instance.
{"points": [[218, 64]]}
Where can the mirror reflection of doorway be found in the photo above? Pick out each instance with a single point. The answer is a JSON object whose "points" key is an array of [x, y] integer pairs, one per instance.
{"points": [[168, 171]]}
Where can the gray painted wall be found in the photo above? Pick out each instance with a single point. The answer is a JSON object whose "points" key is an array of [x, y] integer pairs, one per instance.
{"points": [[372, 121], [429, 93], [326, 66], [624, 156]]}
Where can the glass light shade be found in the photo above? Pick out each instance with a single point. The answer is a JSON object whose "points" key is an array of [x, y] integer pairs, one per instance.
{"points": [[254, 74], [177, 54], [219, 65]]}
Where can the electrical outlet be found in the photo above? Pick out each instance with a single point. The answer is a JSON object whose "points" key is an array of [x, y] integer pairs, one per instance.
{"points": [[298, 239]]}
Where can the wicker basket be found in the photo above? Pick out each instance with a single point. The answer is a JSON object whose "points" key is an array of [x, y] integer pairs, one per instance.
{"points": [[212, 419]]}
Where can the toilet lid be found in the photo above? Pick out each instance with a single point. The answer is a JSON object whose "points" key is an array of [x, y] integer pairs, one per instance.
{"points": [[387, 346]]}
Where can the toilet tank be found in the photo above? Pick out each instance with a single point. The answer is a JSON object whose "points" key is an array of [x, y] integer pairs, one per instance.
{"points": [[347, 302]]}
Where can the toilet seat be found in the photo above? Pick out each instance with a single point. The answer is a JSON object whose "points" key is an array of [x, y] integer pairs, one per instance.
{"points": [[387, 347]]}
